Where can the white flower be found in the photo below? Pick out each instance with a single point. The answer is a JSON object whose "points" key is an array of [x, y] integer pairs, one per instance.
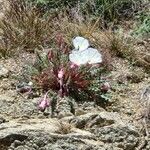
{"points": [[83, 54], [80, 43]]}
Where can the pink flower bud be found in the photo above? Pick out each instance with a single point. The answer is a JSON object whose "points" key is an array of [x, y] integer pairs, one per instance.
{"points": [[44, 103], [60, 74], [105, 87], [73, 66]]}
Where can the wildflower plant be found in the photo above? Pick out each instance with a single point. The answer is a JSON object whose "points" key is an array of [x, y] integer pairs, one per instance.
{"points": [[74, 74]]}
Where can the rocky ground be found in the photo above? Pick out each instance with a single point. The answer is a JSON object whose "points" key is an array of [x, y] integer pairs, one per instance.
{"points": [[119, 126]]}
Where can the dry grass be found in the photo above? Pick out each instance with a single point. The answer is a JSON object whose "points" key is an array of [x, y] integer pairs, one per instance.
{"points": [[115, 42], [122, 45], [23, 28], [94, 31], [70, 28], [64, 128]]}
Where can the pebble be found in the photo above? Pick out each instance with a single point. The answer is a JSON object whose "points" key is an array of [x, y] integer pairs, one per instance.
{"points": [[3, 72]]}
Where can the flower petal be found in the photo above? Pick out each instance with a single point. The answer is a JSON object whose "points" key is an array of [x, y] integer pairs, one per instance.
{"points": [[90, 55], [94, 56], [80, 43], [78, 58]]}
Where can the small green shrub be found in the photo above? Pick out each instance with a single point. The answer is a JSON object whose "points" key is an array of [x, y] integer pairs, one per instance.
{"points": [[108, 10], [53, 4], [142, 25], [111, 10]]}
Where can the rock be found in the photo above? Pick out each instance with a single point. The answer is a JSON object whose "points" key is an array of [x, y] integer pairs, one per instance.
{"points": [[41, 135], [147, 58], [23, 148], [95, 120], [14, 133], [17, 108], [60, 145], [109, 128], [44, 134], [64, 107], [121, 136], [86, 107], [3, 72], [79, 111]]}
